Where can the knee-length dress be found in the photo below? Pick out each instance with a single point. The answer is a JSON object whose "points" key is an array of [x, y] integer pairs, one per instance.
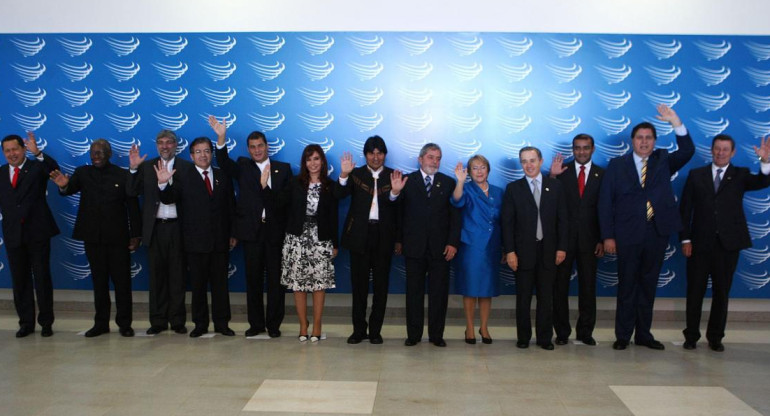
{"points": [[478, 259]]}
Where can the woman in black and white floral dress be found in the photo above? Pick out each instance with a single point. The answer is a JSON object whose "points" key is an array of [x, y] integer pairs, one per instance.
{"points": [[311, 236]]}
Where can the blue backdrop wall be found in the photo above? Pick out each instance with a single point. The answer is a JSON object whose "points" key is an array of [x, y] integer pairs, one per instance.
{"points": [[488, 93]]}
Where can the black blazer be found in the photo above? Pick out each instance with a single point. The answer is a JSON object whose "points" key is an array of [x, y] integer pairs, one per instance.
{"points": [[293, 199], [583, 212], [428, 225], [360, 186], [26, 215], [709, 215], [106, 213], [519, 219], [145, 182], [205, 219], [251, 201]]}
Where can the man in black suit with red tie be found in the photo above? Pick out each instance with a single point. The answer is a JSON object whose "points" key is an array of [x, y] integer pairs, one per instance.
{"points": [[205, 202], [28, 226], [428, 237], [715, 232], [369, 234], [580, 180], [258, 226], [534, 226]]}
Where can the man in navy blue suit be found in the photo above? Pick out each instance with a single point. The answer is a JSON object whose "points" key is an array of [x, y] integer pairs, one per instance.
{"points": [[637, 214]]}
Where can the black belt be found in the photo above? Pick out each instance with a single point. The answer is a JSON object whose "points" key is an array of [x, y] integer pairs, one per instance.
{"points": [[165, 220]]}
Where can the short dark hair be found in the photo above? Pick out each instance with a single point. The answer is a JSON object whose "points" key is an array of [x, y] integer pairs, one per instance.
{"points": [[166, 133], [724, 137], [531, 148], [256, 135], [13, 137], [375, 143], [645, 125], [199, 140], [583, 136]]}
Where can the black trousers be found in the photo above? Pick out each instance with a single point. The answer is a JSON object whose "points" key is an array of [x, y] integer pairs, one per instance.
{"points": [[541, 279], [638, 272], [261, 257], [437, 272], [586, 264], [209, 270], [375, 260], [26, 261], [111, 261], [167, 275], [720, 264]]}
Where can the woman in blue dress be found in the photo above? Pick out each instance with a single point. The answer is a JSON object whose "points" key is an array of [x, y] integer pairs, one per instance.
{"points": [[478, 260]]}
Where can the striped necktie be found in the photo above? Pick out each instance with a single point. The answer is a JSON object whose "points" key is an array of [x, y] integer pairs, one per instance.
{"points": [[650, 211]]}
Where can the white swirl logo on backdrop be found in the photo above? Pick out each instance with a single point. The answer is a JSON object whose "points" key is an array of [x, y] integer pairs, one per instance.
{"points": [[466, 98], [759, 230], [29, 98], [123, 72], [563, 125], [68, 218], [76, 98], [465, 73], [663, 76], [123, 123], [613, 101], [268, 72], [564, 148], [664, 50], [565, 99], [564, 74], [219, 72], [219, 46], [326, 144], [565, 49], [77, 123], [77, 248], [760, 51], [465, 47], [753, 281], [614, 49], [274, 146], [415, 123], [515, 73], [218, 98], [713, 51], [28, 48], [76, 73], [172, 123], [268, 46], [711, 128], [316, 123], [714, 76], [170, 47], [416, 72], [415, 98], [316, 46], [77, 271], [511, 149], [67, 168], [465, 148], [464, 124], [712, 102], [229, 119], [123, 47], [665, 278], [703, 152], [657, 99], [366, 97], [267, 123], [29, 73], [170, 98], [366, 72], [610, 151], [758, 76], [510, 174], [515, 124], [758, 129], [316, 72], [416, 47], [170, 72], [613, 126], [757, 205], [515, 47], [366, 46], [30, 123], [136, 268], [758, 103], [515, 98], [756, 255], [76, 148], [366, 123], [121, 148], [123, 98], [663, 128], [268, 97], [614, 75], [75, 48]]}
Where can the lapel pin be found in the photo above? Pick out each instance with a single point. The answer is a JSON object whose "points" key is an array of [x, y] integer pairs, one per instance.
{"points": [[117, 186], [438, 185], [275, 171], [546, 189], [596, 174]]}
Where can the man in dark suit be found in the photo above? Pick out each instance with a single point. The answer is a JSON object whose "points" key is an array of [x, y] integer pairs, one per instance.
{"points": [[109, 224], [369, 233], [259, 226], [28, 226], [428, 237], [580, 180], [162, 235], [715, 232], [205, 202], [534, 226], [637, 213]]}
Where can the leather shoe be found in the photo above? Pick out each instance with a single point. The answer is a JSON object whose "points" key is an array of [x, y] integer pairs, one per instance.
{"points": [[226, 331], [652, 344], [522, 344], [127, 331], [274, 333], [95, 332], [484, 339], [375, 339], [439, 342], [561, 341], [588, 341], [179, 329], [153, 330], [410, 342], [471, 341], [716, 346], [252, 332], [47, 331], [619, 345], [547, 346], [195, 333], [689, 345], [24, 331], [355, 338]]}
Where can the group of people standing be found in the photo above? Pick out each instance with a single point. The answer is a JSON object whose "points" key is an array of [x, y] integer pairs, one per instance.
{"points": [[541, 226]]}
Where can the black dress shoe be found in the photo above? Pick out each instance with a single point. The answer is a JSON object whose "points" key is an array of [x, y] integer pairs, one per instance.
{"points": [[439, 342], [179, 329], [547, 346], [689, 345], [375, 339], [522, 344], [471, 341], [127, 331], [485, 340], [355, 338], [95, 332], [588, 341], [47, 331], [252, 332], [410, 342], [274, 333], [226, 331], [24, 331], [652, 344], [619, 345], [195, 333], [717, 346], [153, 330], [561, 341]]}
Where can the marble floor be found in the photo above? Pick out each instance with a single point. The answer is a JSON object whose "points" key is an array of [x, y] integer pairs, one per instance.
{"points": [[170, 374]]}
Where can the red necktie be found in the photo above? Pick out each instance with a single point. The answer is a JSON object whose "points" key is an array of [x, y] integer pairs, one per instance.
{"points": [[15, 177], [208, 182], [582, 180]]}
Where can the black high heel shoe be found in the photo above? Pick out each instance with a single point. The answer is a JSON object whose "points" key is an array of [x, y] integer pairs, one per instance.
{"points": [[471, 341], [485, 340]]}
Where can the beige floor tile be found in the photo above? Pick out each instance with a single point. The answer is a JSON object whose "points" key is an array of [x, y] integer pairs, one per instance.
{"points": [[682, 401], [315, 396]]}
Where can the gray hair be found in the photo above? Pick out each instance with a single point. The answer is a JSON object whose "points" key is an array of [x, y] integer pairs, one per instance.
{"points": [[428, 147]]}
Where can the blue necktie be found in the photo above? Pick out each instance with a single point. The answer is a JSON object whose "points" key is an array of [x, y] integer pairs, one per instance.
{"points": [[717, 180], [428, 185]]}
